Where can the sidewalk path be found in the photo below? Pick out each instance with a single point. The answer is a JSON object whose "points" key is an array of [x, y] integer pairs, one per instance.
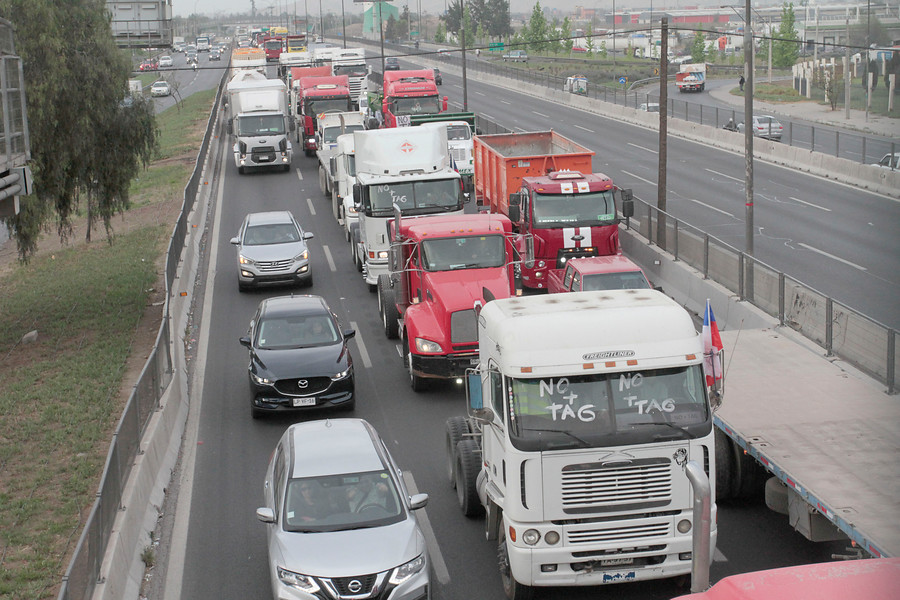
{"points": [[817, 113]]}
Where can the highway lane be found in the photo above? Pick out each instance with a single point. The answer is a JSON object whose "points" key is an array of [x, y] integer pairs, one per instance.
{"points": [[224, 548], [835, 238]]}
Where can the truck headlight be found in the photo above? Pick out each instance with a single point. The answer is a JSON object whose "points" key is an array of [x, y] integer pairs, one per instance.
{"points": [[531, 537], [383, 254], [427, 346], [684, 526]]}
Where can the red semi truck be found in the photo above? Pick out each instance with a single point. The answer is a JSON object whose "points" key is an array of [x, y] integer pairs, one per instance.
{"points": [[543, 182], [443, 270], [410, 93], [317, 95]]}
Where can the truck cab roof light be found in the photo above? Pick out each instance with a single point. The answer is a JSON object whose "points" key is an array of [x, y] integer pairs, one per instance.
{"points": [[632, 363], [610, 364], [587, 366], [690, 357], [525, 370]]}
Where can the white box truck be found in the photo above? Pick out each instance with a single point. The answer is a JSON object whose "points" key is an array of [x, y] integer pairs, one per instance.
{"points": [[257, 121], [584, 411]]}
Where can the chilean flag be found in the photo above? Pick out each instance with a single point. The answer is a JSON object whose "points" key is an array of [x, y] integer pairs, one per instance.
{"points": [[712, 345]]}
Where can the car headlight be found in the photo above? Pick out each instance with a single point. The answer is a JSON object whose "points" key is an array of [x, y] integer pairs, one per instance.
{"points": [[302, 256], [341, 375], [423, 345], [244, 260], [261, 380], [296, 580], [404, 572]]}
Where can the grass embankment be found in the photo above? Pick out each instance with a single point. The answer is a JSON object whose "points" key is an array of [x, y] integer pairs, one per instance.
{"points": [[60, 395]]}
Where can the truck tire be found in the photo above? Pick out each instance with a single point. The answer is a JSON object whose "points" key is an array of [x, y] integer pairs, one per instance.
{"points": [[457, 427], [777, 496], [512, 589], [387, 308], [354, 251], [468, 463], [724, 465], [323, 183], [335, 204], [415, 382], [749, 478], [241, 170]]}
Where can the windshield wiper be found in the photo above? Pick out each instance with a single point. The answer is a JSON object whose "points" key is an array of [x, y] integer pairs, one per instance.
{"points": [[583, 442], [679, 428]]}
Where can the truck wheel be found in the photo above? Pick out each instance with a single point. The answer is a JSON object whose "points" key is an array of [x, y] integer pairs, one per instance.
{"points": [[323, 185], [457, 427], [468, 463], [241, 170], [387, 308], [511, 588], [354, 250], [724, 465], [749, 477], [335, 204], [777, 496], [415, 382]]}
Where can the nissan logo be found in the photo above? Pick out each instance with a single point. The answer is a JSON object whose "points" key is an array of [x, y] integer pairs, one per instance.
{"points": [[355, 586], [302, 383]]}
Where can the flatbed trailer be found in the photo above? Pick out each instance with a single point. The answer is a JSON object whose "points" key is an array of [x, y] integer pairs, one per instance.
{"points": [[828, 433]]}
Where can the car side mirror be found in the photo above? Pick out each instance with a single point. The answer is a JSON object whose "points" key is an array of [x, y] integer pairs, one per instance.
{"points": [[349, 334], [265, 514], [236, 241], [418, 501], [308, 235], [245, 341]]}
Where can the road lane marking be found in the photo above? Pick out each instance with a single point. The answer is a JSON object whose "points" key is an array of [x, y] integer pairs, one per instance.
{"points": [[367, 363], [711, 207], [726, 176], [585, 129], [434, 551], [299, 174], [809, 204], [329, 259], [520, 130], [639, 177], [644, 148], [541, 114], [487, 116], [481, 93], [312, 209], [832, 256], [505, 102]]}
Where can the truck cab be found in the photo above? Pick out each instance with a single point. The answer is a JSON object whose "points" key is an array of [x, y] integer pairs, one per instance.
{"points": [[460, 143], [330, 126], [443, 270], [320, 95], [410, 93], [597, 273]]}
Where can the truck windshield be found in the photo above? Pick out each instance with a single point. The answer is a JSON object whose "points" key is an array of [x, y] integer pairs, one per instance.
{"points": [[273, 45], [458, 133], [568, 210], [626, 280], [315, 107], [261, 125], [590, 411], [423, 105], [330, 135], [350, 70], [415, 198], [470, 252]]}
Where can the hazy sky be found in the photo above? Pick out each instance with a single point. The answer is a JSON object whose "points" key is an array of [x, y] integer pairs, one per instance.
{"points": [[211, 7]]}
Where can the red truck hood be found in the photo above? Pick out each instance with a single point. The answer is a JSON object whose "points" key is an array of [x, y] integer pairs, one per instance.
{"points": [[547, 242], [459, 290]]}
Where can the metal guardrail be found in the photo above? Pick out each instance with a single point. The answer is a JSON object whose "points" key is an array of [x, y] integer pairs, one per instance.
{"points": [[83, 572]]}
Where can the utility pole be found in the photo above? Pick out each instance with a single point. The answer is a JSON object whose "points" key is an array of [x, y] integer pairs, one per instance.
{"points": [[343, 25], [663, 133], [614, 33], [321, 22], [465, 86], [847, 73], [748, 146]]}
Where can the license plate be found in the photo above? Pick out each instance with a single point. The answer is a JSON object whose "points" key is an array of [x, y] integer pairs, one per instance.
{"points": [[473, 362], [264, 159], [612, 562], [304, 401]]}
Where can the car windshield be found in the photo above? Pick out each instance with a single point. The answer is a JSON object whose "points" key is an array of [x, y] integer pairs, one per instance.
{"points": [[470, 252], [592, 411], [341, 502], [271, 233], [420, 197], [260, 125], [279, 333], [424, 105], [331, 134], [627, 280], [566, 210]]}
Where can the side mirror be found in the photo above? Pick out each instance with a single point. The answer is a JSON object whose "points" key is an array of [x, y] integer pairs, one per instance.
{"points": [[515, 199], [418, 501], [395, 255], [229, 127], [514, 213], [473, 390], [627, 203], [266, 515], [349, 334], [245, 341], [292, 125], [236, 241], [332, 165], [529, 252], [308, 235], [357, 194]]}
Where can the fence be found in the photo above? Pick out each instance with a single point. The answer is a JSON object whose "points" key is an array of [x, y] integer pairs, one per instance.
{"points": [[83, 571]]}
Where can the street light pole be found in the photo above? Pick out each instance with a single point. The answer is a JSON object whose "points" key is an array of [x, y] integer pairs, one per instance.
{"points": [[614, 32], [343, 25], [748, 145]]}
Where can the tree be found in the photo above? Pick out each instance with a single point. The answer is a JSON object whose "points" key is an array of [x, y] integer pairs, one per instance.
{"points": [[440, 35], [498, 18], [566, 35], [86, 147], [391, 29], [454, 16], [786, 45], [537, 30], [469, 27], [698, 48], [553, 43]]}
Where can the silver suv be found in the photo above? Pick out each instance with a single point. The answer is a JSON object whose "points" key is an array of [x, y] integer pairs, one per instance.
{"points": [[271, 249], [338, 517]]}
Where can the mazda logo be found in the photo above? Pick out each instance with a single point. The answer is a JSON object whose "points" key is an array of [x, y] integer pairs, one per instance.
{"points": [[302, 383], [355, 586]]}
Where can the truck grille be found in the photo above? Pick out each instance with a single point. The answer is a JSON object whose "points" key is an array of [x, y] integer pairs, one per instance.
{"points": [[464, 327], [623, 534], [636, 484], [263, 149], [459, 155]]}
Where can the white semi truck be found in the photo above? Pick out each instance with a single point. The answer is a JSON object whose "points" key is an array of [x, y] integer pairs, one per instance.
{"points": [[257, 121], [584, 411], [329, 126], [352, 63], [408, 167]]}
